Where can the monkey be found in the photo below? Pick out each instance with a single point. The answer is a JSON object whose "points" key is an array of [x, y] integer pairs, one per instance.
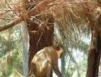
{"points": [[46, 60]]}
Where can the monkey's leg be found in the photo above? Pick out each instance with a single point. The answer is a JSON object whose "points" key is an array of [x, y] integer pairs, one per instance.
{"points": [[49, 69], [32, 70]]}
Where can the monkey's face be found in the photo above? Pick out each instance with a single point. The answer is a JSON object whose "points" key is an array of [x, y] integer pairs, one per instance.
{"points": [[59, 52]]}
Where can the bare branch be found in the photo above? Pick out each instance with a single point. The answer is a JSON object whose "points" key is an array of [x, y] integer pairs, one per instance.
{"points": [[39, 8], [42, 6], [34, 11], [11, 24]]}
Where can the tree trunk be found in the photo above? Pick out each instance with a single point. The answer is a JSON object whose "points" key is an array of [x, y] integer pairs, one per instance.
{"points": [[40, 37], [94, 55]]}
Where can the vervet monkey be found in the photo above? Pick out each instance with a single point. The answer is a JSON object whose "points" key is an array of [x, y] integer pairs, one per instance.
{"points": [[45, 61]]}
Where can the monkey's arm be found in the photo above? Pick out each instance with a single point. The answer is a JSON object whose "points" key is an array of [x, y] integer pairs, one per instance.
{"points": [[56, 68]]}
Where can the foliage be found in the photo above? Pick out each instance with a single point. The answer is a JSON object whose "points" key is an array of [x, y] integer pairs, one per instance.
{"points": [[10, 53], [72, 18]]}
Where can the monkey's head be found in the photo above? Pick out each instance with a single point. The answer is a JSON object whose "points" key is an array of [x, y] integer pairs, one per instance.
{"points": [[58, 46], [59, 52]]}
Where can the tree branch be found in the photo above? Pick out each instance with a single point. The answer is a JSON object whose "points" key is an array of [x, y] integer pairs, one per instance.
{"points": [[38, 9], [42, 6], [11, 24]]}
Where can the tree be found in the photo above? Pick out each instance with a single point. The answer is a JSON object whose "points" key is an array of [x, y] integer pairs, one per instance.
{"points": [[67, 14]]}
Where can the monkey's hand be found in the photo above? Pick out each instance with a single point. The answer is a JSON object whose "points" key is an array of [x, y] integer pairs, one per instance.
{"points": [[32, 75]]}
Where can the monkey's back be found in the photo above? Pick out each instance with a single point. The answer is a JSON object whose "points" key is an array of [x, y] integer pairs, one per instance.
{"points": [[42, 61]]}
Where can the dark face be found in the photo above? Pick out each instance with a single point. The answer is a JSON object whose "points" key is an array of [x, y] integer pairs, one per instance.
{"points": [[59, 52]]}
